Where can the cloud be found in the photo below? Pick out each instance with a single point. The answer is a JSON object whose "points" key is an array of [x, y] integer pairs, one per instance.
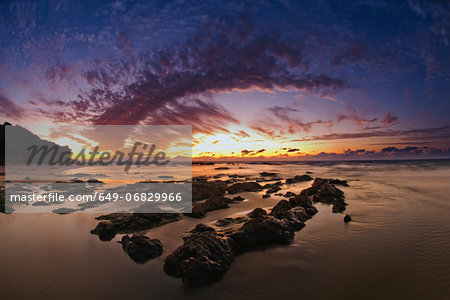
{"points": [[293, 150], [225, 55], [354, 116], [390, 119], [9, 109], [420, 134], [246, 152], [411, 150]]}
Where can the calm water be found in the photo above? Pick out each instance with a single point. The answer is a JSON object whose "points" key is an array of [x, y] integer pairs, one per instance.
{"points": [[397, 246]]}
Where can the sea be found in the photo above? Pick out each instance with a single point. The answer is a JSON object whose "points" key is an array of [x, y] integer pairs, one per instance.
{"points": [[396, 247]]}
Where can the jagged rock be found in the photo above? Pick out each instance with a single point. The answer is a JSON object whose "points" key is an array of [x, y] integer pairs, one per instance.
{"points": [[323, 191], [294, 218], [257, 213], [112, 224], [299, 178], [244, 187], [280, 208], [204, 258], [347, 219], [141, 248], [261, 232], [302, 200]]}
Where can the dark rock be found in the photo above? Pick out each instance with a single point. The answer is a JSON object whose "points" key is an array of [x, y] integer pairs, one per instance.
{"points": [[273, 189], [93, 180], [257, 213], [337, 182], [244, 187], [289, 195], [238, 198], [199, 210], [141, 248], [202, 189], [222, 168], [267, 174], [323, 191], [224, 222], [279, 209], [126, 223], [266, 196], [260, 232], [294, 218], [298, 178], [304, 201], [202, 228], [227, 221], [206, 255], [347, 218], [204, 258], [106, 231]]}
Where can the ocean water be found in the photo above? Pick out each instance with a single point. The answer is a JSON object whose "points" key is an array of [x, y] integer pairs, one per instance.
{"points": [[397, 245]]}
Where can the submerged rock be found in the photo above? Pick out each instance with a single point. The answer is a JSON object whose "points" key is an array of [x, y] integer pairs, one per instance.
{"points": [[141, 248], [347, 219]]}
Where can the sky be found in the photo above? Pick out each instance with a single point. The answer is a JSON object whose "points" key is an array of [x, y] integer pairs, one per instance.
{"points": [[255, 79]]}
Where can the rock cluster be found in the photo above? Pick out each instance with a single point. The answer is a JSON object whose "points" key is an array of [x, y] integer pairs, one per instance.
{"points": [[324, 191], [113, 224], [206, 255]]}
